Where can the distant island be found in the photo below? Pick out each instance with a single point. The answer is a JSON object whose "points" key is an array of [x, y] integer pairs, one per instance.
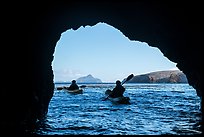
{"points": [[168, 76], [88, 79], [171, 76]]}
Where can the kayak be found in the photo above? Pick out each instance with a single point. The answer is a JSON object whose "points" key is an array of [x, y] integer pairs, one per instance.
{"points": [[119, 100], [76, 91]]}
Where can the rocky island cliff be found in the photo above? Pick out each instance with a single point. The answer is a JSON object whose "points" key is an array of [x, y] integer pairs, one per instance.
{"points": [[168, 76], [88, 79]]}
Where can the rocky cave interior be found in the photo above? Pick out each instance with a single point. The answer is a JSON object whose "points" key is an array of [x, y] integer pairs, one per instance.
{"points": [[174, 28]]}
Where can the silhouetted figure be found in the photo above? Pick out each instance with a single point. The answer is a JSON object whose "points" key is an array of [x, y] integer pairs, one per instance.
{"points": [[73, 86], [118, 90]]}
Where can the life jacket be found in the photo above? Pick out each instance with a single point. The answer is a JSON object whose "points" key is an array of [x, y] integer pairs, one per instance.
{"points": [[117, 91]]}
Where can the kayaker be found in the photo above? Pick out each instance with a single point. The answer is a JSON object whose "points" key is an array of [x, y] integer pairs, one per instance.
{"points": [[73, 86], [118, 90]]}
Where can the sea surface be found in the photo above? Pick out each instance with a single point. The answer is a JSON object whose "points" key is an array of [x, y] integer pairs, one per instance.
{"points": [[154, 109]]}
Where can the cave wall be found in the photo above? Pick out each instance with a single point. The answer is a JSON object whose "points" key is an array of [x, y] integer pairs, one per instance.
{"points": [[175, 28]]}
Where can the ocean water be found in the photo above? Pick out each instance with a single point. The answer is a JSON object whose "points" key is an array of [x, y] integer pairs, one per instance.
{"points": [[154, 109]]}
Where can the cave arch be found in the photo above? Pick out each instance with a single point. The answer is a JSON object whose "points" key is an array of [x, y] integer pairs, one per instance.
{"points": [[107, 46], [172, 27]]}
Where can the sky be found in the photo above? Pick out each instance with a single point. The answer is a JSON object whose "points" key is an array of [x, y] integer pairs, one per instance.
{"points": [[105, 53]]}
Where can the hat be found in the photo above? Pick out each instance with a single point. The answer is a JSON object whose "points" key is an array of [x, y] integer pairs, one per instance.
{"points": [[118, 82], [73, 81]]}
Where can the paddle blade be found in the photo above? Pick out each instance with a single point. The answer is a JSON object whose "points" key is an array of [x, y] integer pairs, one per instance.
{"points": [[82, 86], [59, 88], [128, 78]]}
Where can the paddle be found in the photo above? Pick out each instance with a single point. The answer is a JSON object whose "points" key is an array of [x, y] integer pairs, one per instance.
{"points": [[125, 80]]}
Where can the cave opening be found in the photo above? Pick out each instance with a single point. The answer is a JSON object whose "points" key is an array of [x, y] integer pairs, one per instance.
{"points": [[88, 111], [103, 51], [172, 26]]}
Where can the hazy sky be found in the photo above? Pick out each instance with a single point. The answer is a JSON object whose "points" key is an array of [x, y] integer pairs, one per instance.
{"points": [[105, 53]]}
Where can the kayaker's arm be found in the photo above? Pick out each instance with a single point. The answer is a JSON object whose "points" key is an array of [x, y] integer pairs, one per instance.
{"points": [[107, 97]]}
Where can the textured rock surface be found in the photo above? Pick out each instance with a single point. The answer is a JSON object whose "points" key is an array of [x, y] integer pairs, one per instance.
{"points": [[171, 76], [32, 30]]}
